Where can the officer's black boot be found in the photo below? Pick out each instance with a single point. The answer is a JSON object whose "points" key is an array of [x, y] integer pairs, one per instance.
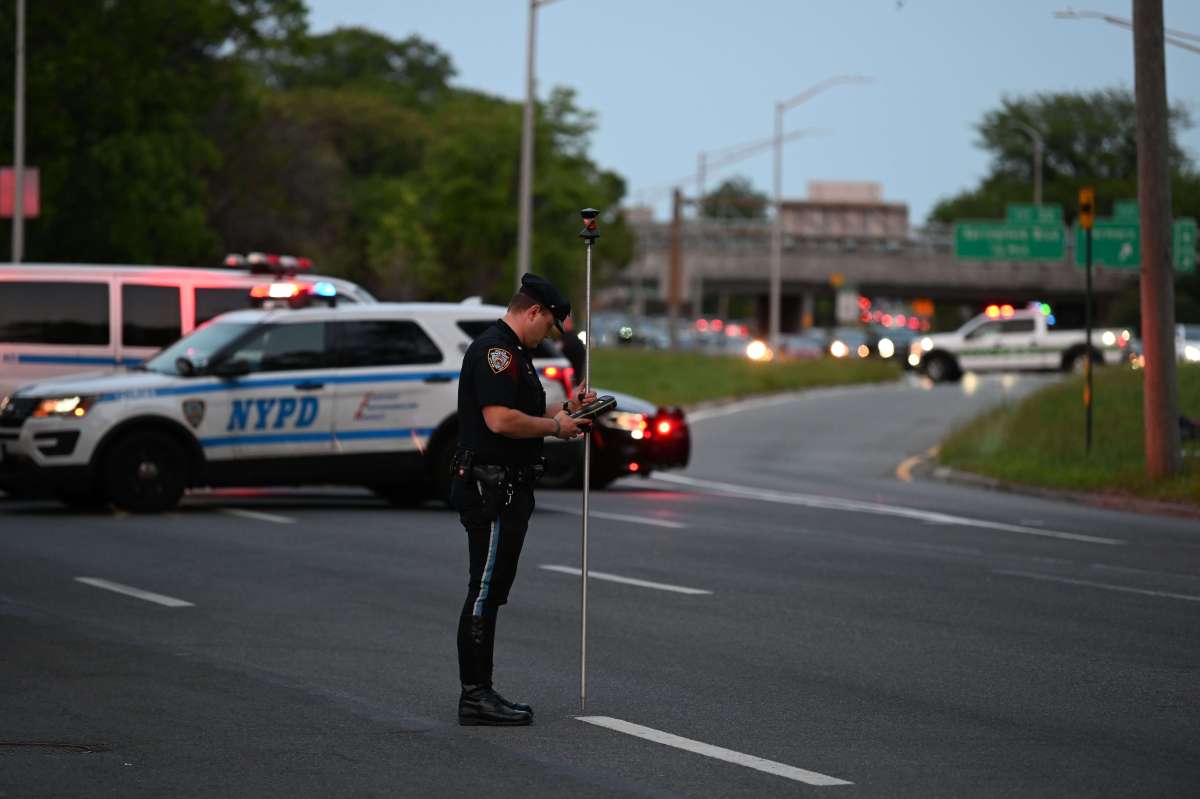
{"points": [[520, 707], [479, 705]]}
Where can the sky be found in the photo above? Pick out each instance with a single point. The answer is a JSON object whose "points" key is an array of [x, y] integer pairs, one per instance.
{"points": [[669, 80]]}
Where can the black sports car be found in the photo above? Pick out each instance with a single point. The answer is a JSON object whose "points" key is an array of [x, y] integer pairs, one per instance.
{"points": [[636, 437]]}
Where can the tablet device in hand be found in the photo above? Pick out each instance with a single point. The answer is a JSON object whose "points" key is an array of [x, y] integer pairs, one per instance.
{"points": [[595, 408]]}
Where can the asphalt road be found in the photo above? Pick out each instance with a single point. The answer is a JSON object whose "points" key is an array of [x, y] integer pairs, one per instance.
{"points": [[806, 624]]}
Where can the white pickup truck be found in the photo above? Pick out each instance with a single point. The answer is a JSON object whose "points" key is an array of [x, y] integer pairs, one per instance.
{"points": [[1005, 339]]}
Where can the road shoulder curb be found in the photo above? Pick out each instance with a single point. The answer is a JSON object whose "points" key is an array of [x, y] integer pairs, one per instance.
{"points": [[1122, 502]]}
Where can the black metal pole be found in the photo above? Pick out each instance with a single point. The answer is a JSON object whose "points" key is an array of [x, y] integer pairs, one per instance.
{"points": [[1087, 315]]}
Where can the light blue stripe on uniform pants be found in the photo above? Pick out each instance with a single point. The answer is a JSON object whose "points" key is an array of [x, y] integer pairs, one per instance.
{"points": [[495, 535]]}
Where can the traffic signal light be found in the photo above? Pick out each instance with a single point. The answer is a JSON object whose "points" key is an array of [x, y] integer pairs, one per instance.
{"points": [[1087, 207]]}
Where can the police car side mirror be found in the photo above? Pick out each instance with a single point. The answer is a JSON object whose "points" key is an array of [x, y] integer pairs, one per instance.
{"points": [[185, 367], [229, 369]]}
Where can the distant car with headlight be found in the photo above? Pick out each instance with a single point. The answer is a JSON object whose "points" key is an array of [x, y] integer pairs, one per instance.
{"points": [[852, 342], [635, 438]]}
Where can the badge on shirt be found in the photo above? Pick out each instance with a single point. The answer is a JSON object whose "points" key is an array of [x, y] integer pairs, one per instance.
{"points": [[499, 359]]}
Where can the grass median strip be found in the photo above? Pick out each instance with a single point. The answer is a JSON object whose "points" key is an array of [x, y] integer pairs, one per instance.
{"points": [[687, 378], [1040, 440]]}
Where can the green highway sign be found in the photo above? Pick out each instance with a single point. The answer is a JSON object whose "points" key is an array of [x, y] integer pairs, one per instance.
{"points": [[1183, 245], [1025, 214], [1126, 211], [1004, 241], [1117, 243]]}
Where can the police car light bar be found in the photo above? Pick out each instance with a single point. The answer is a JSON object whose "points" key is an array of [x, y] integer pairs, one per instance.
{"points": [[260, 262]]}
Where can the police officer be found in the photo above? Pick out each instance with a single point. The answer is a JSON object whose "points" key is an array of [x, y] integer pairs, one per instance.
{"points": [[503, 419]]}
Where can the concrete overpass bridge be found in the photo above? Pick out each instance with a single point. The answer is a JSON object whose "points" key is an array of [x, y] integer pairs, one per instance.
{"points": [[724, 260]]}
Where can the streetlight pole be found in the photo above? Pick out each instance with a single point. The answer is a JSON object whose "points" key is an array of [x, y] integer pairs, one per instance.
{"points": [[777, 228], [1177, 38], [525, 201], [18, 218], [1039, 148]]}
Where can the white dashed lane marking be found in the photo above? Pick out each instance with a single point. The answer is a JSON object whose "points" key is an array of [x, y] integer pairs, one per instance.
{"points": [[716, 752], [855, 506], [616, 578], [258, 515], [149, 596]]}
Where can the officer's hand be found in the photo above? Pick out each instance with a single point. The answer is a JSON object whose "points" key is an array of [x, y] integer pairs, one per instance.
{"points": [[570, 428], [583, 395]]}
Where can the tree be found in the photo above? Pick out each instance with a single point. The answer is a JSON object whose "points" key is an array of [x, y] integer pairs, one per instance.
{"points": [[734, 199], [1090, 139], [122, 101], [412, 70]]}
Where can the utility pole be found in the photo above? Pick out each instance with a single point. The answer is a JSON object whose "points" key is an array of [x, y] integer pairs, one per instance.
{"points": [[525, 198], [675, 274], [1160, 404], [18, 218]]}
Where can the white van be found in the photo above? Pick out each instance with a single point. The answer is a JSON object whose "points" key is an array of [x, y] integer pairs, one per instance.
{"points": [[58, 319]]}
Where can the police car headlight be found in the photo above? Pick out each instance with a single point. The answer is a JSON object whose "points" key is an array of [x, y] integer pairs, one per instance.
{"points": [[926, 344], [63, 406]]}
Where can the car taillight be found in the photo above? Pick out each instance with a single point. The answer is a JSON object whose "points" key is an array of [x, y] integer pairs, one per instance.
{"points": [[664, 427], [561, 375]]}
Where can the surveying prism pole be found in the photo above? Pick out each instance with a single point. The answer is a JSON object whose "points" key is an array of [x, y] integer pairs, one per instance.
{"points": [[589, 234]]}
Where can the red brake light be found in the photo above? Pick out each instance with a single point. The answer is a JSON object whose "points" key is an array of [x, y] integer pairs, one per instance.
{"points": [[664, 427], [633, 467]]}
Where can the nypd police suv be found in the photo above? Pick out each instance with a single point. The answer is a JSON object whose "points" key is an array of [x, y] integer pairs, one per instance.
{"points": [[361, 394]]}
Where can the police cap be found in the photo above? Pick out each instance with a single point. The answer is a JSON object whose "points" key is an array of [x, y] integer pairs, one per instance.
{"points": [[542, 290]]}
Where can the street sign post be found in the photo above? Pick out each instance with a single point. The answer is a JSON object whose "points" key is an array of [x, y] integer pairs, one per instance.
{"points": [[986, 240], [1087, 220]]}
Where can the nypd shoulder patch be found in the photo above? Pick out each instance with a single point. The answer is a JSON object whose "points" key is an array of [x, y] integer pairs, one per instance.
{"points": [[499, 359]]}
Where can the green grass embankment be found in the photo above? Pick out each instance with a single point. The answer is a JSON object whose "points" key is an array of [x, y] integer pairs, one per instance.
{"points": [[1040, 440], [687, 378]]}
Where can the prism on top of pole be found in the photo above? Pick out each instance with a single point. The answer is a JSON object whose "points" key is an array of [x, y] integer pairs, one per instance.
{"points": [[589, 234]]}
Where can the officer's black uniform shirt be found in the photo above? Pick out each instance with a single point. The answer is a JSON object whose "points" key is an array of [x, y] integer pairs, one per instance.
{"points": [[497, 370]]}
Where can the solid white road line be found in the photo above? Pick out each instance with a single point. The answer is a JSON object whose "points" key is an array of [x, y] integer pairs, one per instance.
{"points": [[615, 578], [1106, 586], [757, 403], [257, 515], [617, 517], [855, 506], [717, 752], [149, 596]]}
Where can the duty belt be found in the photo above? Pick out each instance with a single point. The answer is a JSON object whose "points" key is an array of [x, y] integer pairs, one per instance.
{"points": [[464, 467], [494, 475]]}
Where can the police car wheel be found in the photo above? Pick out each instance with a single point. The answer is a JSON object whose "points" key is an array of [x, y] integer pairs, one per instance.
{"points": [[145, 472], [939, 368]]}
